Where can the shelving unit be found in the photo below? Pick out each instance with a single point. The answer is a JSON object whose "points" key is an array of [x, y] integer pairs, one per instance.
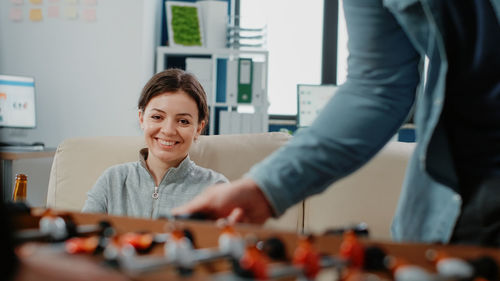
{"points": [[175, 57]]}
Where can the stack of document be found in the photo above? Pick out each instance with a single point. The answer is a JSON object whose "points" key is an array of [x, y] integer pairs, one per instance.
{"points": [[232, 122], [202, 69], [238, 37]]}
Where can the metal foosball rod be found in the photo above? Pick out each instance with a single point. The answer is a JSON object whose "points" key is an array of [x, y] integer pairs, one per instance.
{"points": [[56, 228]]}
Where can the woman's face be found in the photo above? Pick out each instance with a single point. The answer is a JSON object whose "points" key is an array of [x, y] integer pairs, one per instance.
{"points": [[170, 125]]}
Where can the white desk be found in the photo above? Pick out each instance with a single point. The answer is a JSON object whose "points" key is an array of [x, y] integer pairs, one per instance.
{"points": [[8, 156]]}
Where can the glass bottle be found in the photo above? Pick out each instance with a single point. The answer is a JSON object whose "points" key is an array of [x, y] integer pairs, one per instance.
{"points": [[20, 189]]}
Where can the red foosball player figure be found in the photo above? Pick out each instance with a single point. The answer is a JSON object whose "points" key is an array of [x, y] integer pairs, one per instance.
{"points": [[140, 241], [88, 245], [306, 256], [352, 250], [81, 245], [93, 244], [254, 261]]}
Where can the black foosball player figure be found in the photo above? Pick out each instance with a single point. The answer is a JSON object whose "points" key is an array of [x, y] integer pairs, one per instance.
{"points": [[106, 233], [275, 249], [374, 257], [485, 267], [360, 229]]}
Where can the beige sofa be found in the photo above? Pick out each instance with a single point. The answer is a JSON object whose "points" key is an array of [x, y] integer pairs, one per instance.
{"points": [[369, 195], [79, 162]]}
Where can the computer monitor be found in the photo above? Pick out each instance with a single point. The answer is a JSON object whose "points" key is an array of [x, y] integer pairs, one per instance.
{"points": [[17, 102], [310, 101]]}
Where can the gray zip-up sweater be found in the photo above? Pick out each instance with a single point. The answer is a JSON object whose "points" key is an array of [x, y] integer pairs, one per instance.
{"points": [[129, 189]]}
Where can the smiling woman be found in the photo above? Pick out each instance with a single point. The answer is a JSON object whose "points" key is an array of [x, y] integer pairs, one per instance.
{"points": [[172, 112], [170, 124]]}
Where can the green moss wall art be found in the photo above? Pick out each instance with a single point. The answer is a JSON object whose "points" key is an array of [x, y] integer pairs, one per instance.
{"points": [[184, 24]]}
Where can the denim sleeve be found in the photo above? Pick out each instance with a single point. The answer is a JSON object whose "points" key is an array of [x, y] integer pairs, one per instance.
{"points": [[366, 111]]}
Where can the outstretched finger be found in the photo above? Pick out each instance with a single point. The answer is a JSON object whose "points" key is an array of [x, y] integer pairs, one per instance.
{"points": [[236, 215]]}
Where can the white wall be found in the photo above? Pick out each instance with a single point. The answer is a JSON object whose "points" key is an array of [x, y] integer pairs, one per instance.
{"points": [[342, 52], [294, 42], [88, 74]]}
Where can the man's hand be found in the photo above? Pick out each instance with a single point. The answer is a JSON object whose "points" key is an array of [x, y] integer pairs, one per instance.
{"points": [[239, 201]]}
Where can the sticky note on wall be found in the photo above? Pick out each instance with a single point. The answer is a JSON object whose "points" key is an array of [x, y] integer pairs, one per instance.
{"points": [[70, 13], [53, 12], [36, 2], [90, 2], [89, 15], [16, 14], [36, 14]]}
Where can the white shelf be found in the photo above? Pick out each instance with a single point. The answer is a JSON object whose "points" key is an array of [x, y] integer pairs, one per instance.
{"points": [[257, 55], [162, 51], [207, 51]]}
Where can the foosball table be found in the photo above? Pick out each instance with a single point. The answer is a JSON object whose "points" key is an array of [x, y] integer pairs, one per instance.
{"points": [[187, 248]]}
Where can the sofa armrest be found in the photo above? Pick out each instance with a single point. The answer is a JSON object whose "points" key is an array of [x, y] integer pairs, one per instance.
{"points": [[78, 163]]}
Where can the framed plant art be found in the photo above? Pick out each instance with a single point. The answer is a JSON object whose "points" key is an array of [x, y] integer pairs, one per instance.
{"points": [[184, 24]]}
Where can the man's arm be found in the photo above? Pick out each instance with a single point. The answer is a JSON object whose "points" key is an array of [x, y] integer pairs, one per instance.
{"points": [[356, 123], [366, 111]]}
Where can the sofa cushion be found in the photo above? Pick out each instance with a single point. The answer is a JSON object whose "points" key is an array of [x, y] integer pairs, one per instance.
{"points": [[368, 195]]}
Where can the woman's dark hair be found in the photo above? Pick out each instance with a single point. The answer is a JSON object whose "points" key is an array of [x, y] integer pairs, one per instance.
{"points": [[173, 80]]}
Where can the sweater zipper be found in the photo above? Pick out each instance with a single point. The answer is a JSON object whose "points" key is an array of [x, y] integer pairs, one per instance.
{"points": [[155, 193], [155, 197]]}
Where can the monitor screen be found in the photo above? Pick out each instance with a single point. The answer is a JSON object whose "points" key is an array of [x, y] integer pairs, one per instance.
{"points": [[17, 101], [311, 99]]}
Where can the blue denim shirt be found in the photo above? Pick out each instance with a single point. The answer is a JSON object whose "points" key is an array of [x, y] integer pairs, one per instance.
{"points": [[387, 43]]}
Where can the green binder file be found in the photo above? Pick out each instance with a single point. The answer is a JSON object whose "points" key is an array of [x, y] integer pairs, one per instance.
{"points": [[245, 76]]}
